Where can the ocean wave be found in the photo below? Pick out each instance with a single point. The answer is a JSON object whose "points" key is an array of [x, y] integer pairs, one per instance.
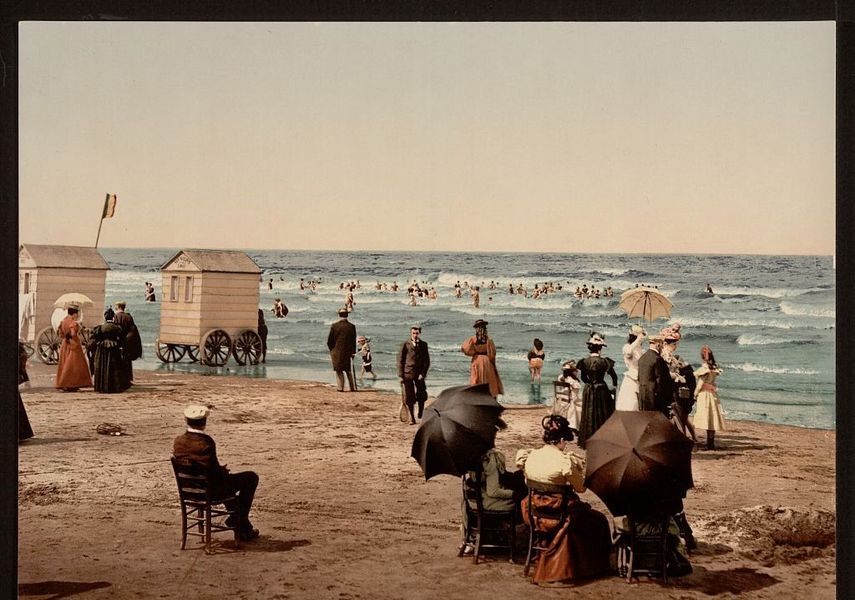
{"points": [[756, 339], [807, 311], [743, 323], [755, 368], [763, 291]]}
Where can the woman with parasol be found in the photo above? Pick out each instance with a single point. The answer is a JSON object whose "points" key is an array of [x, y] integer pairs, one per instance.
{"points": [[598, 401], [72, 371]]}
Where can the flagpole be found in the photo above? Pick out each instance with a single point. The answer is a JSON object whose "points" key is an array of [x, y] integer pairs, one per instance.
{"points": [[99, 231]]}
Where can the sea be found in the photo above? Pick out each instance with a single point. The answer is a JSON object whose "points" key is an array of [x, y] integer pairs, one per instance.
{"points": [[769, 321]]}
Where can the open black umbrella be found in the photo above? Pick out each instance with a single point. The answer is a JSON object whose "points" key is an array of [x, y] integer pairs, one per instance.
{"points": [[638, 460], [456, 430]]}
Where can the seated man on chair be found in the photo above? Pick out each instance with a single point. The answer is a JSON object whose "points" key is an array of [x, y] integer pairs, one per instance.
{"points": [[199, 447], [579, 547]]}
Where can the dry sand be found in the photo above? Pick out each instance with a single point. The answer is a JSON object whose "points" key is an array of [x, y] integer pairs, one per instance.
{"points": [[344, 512]]}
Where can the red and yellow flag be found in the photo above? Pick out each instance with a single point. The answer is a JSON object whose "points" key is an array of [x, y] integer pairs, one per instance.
{"points": [[109, 206]]}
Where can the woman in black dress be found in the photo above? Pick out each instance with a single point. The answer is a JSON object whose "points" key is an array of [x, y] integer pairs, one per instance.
{"points": [[598, 401], [109, 371]]}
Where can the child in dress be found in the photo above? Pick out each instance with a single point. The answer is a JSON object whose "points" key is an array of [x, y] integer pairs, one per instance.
{"points": [[708, 413], [365, 353], [568, 402]]}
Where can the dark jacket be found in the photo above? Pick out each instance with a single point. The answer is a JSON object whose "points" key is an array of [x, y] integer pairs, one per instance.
{"points": [[655, 386], [132, 343], [201, 448], [413, 360], [342, 344]]}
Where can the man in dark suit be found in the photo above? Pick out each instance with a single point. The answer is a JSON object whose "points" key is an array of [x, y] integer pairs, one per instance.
{"points": [[413, 365], [132, 343], [197, 446], [342, 344], [655, 386]]}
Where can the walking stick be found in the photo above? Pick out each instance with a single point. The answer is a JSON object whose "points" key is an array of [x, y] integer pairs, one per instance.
{"points": [[353, 374]]}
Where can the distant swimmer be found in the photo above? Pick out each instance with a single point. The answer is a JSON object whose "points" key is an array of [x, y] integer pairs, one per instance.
{"points": [[709, 289]]}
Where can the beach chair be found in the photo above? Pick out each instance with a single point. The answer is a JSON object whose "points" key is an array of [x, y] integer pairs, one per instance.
{"points": [[642, 553], [199, 509], [498, 525], [546, 511]]}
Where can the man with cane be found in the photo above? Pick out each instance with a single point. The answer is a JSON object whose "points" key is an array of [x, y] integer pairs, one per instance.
{"points": [[342, 345], [413, 365]]}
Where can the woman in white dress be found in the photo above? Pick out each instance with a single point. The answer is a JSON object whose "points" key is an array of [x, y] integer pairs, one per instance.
{"points": [[627, 398], [708, 414]]}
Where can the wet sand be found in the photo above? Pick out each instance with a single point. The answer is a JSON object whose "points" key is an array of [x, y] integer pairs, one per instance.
{"points": [[345, 513]]}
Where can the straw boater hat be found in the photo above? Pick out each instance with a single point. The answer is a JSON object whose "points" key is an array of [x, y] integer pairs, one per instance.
{"points": [[636, 330], [73, 305], [196, 412], [120, 304], [597, 340], [342, 312]]}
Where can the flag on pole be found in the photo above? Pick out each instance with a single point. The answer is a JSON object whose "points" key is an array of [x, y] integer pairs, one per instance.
{"points": [[109, 206]]}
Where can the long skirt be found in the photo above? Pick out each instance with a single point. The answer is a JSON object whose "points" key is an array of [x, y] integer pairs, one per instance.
{"points": [[598, 404], [25, 431], [627, 398], [579, 547], [72, 370], [110, 372], [708, 413]]}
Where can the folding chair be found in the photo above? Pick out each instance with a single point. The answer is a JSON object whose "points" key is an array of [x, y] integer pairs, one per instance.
{"points": [[198, 508], [642, 553], [494, 523]]}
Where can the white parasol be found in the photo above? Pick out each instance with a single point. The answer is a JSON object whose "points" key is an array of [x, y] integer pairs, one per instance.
{"points": [[81, 300], [647, 303]]}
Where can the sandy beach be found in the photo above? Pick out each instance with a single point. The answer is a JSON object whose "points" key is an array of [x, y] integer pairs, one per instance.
{"points": [[345, 513]]}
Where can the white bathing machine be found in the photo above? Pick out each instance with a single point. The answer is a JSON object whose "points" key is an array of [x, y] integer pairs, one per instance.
{"points": [[209, 308], [46, 272]]}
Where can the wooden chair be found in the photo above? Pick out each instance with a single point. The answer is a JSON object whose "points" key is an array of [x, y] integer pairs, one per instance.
{"points": [[543, 520], [480, 520], [642, 554], [198, 508]]}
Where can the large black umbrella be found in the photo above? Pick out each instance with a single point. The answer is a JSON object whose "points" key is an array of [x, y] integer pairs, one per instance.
{"points": [[638, 461], [456, 430]]}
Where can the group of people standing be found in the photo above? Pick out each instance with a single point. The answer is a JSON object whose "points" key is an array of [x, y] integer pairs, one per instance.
{"points": [[112, 348]]}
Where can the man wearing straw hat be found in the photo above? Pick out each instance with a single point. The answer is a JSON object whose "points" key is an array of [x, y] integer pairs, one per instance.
{"points": [[413, 365], [655, 386], [342, 345]]}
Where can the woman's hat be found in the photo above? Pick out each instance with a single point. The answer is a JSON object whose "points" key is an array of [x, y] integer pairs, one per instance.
{"points": [[361, 339], [636, 330], [480, 323], [569, 365], [597, 340], [669, 334]]}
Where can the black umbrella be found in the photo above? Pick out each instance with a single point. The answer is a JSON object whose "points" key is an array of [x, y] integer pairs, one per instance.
{"points": [[637, 461], [457, 429]]}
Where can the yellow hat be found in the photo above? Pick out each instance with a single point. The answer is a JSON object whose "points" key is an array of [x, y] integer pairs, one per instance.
{"points": [[195, 412]]}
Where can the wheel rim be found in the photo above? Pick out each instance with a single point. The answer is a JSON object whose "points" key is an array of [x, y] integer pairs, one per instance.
{"points": [[216, 348], [169, 353], [247, 348], [192, 352], [47, 346]]}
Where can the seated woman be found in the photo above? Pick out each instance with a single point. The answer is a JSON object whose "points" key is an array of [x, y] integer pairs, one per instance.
{"points": [[579, 546], [500, 490]]}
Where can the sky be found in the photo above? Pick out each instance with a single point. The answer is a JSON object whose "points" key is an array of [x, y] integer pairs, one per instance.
{"points": [[529, 137]]}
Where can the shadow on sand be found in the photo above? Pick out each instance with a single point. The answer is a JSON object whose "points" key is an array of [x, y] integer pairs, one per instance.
{"points": [[59, 589], [263, 543], [38, 441], [728, 581]]}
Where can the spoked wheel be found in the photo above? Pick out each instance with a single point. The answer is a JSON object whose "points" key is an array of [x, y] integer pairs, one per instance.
{"points": [[247, 347], [47, 346], [192, 352], [168, 353], [216, 347]]}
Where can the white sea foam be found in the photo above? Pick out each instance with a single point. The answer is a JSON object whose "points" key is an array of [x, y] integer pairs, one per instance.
{"points": [[768, 292], [807, 311], [730, 322], [755, 368], [756, 339]]}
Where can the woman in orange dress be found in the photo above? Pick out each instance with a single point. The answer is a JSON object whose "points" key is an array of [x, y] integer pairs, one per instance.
{"points": [[72, 372], [483, 352]]}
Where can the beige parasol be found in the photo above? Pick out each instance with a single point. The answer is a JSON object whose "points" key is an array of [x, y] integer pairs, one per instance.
{"points": [[647, 303], [73, 298]]}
